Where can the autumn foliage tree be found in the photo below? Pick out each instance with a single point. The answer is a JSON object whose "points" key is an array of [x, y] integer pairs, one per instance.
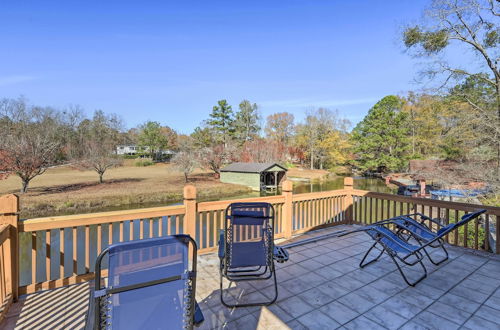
{"points": [[280, 127]]}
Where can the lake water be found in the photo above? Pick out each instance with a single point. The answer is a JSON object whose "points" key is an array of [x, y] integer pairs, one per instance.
{"points": [[363, 183]]}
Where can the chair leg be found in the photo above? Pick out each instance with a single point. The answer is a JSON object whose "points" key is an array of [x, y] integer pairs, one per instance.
{"points": [[362, 264], [404, 275], [273, 271], [441, 245]]}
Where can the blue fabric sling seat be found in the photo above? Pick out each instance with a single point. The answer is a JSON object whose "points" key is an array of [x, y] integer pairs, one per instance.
{"points": [[391, 241], [415, 227], [149, 286], [247, 253]]}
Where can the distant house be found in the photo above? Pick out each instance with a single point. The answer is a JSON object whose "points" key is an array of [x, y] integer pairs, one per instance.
{"points": [[132, 149], [258, 176], [127, 149]]}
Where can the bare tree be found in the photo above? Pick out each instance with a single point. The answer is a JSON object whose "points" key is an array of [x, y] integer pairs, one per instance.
{"points": [[215, 157], [98, 140], [28, 139], [185, 162]]}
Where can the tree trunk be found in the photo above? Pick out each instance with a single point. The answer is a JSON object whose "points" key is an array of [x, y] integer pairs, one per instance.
{"points": [[312, 159], [24, 188], [186, 177], [100, 177]]}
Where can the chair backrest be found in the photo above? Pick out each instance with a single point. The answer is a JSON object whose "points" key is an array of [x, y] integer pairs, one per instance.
{"points": [[465, 219], [151, 283], [249, 233]]}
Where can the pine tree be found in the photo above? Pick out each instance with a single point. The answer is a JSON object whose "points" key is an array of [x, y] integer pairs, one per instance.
{"points": [[381, 140], [246, 122], [221, 121]]}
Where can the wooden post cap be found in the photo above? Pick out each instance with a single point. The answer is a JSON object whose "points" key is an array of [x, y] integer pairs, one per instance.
{"points": [[9, 204], [348, 182], [189, 192], [287, 186]]}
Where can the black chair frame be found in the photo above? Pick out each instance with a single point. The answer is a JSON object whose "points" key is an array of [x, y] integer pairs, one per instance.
{"points": [[250, 273]]}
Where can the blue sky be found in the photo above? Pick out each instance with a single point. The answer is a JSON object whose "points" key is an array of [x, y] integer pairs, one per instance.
{"points": [[171, 61]]}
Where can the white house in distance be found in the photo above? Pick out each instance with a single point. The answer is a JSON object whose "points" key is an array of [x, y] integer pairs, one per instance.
{"points": [[132, 149], [128, 149]]}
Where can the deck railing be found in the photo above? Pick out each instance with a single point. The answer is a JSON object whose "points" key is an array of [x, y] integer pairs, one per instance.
{"points": [[43, 253]]}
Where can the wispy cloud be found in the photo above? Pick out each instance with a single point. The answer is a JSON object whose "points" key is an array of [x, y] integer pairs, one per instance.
{"points": [[15, 79], [300, 103]]}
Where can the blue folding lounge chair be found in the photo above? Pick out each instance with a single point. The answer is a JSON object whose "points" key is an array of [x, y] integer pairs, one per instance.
{"points": [[408, 227], [398, 246], [149, 286], [395, 247], [246, 247]]}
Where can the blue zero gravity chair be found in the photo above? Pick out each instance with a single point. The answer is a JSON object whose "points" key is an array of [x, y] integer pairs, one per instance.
{"points": [[150, 285], [246, 247], [409, 242]]}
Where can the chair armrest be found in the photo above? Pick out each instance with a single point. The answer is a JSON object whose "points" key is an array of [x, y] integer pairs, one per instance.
{"points": [[436, 221], [222, 245]]}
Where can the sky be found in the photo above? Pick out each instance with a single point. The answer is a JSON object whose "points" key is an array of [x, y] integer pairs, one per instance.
{"points": [[170, 61]]}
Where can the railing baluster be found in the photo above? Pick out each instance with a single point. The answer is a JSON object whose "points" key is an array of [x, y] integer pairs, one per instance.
{"points": [[87, 248], [75, 250], [447, 221], [456, 230], [110, 233], [497, 229], [33, 257], [160, 226], [121, 231], [61, 253], [131, 230], [466, 233], [487, 233], [47, 255], [207, 230], [151, 228], [99, 238], [141, 228], [476, 233], [365, 210]]}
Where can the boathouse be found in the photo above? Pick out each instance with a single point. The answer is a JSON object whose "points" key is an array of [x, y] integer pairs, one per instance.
{"points": [[258, 176]]}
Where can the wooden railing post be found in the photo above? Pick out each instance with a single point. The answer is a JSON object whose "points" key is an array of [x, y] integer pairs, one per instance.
{"points": [[191, 209], [349, 186], [9, 214], [287, 191]]}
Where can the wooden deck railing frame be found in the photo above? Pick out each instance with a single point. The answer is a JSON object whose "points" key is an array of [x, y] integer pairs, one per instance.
{"points": [[296, 213], [9, 218]]}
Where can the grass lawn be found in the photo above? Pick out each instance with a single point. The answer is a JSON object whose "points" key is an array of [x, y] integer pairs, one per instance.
{"points": [[304, 173], [65, 190]]}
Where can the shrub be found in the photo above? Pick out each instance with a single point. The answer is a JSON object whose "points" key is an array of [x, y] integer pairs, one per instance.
{"points": [[143, 162]]}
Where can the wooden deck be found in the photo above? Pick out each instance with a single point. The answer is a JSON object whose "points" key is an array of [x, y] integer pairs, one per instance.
{"points": [[321, 287]]}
